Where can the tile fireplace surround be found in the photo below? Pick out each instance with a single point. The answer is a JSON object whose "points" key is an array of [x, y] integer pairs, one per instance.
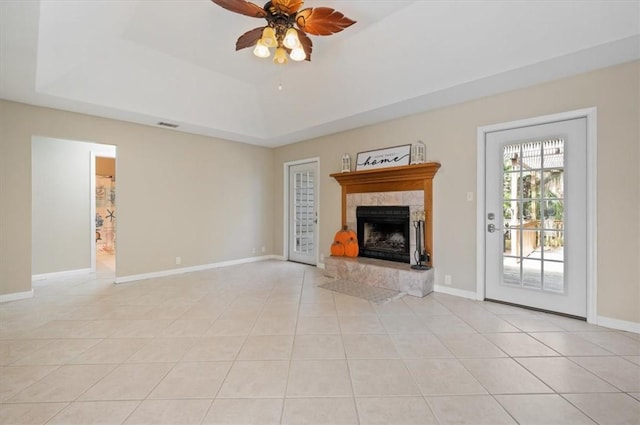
{"points": [[400, 186]]}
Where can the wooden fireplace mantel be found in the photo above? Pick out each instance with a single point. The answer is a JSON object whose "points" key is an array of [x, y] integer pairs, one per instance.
{"points": [[395, 179]]}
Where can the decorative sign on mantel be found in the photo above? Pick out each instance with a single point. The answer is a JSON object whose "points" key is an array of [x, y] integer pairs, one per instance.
{"points": [[384, 158]]}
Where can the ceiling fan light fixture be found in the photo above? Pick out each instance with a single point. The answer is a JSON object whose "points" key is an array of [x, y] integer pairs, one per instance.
{"points": [[269, 37], [291, 40], [281, 56], [288, 27], [298, 54], [261, 50]]}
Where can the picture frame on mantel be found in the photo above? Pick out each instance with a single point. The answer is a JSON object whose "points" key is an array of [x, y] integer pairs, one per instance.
{"points": [[384, 158]]}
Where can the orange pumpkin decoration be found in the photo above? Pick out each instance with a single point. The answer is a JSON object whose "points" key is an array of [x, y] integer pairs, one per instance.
{"points": [[337, 249], [351, 248], [344, 235]]}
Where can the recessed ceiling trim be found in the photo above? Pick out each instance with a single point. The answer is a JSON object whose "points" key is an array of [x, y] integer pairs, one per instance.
{"points": [[450, 52]]}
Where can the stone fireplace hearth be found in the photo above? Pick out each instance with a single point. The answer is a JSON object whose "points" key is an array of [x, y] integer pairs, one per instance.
{"points": [[381, 273]]}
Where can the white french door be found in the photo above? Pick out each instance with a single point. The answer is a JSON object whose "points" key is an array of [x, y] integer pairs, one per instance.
{"points": [[303, 215], [535, 223]]}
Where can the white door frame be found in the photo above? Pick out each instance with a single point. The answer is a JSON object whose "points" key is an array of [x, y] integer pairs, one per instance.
{"points": [[590, 114], [316, 160]]}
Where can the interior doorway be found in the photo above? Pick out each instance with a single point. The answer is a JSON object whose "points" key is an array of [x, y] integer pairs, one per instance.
{"points": [[105, 213], [63, 202]]}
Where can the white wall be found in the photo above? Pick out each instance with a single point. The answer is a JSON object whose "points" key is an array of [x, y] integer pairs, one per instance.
{"points": [[61, 204]]}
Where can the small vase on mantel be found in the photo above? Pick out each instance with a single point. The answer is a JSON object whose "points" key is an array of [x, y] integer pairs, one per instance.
{"points": [[346, 163]]}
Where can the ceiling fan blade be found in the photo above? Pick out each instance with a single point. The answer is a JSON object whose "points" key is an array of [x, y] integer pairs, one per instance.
{"points": [[287, 7], [249, 38], [242, 7], [307, 45], [322, 21]]}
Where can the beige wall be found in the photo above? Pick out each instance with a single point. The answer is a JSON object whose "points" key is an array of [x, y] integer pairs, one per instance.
{"points": [[451, 137], [203, 199], [209, 200]]}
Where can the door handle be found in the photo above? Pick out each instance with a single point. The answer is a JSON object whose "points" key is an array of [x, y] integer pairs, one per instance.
{"points": [[491, 228]]}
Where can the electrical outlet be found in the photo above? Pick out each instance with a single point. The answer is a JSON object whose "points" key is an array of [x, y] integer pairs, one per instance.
{"points": [[178, 261], [447, 279], [469, 196], [321, 256], [264, 249], [253, 250]]}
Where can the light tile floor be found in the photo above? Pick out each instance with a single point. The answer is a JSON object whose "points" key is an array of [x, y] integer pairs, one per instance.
{"points": [[262, 344]]}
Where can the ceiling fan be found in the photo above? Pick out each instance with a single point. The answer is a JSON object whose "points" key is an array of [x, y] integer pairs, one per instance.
{"points": [[287, 27]]}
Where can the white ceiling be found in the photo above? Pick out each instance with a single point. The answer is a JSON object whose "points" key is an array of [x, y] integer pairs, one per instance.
{"points": [[175, 60]]}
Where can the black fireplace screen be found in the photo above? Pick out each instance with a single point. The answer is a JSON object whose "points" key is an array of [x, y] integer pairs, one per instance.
{"points": [[383, 232]]}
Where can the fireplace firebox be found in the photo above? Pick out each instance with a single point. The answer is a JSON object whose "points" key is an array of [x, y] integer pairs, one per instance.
{"points": [[383, 232]]}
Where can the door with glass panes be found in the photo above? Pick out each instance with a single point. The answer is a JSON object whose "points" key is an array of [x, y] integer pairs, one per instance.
{"points": [[535, 218], [303, 216]]}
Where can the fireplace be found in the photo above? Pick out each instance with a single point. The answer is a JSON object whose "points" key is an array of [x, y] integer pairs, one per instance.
{"points": [[383, 232]]}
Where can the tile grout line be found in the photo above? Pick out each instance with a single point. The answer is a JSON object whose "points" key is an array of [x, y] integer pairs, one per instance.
{"points": [[346, 359], [293, 343]]}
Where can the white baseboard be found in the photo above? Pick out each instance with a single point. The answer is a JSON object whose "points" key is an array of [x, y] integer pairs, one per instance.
{"points": [[15, 296], [455, 292], [321, 266], [621, 325], [56, 275], [171, 272]]}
